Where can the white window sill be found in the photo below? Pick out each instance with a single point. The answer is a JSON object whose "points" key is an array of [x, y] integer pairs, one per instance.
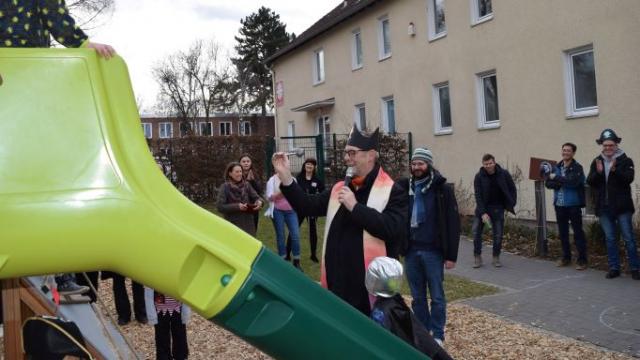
{"points": [[385, 57], [439, 36], [583, 114], [356, 68], [316, 83], [447, 131], [490, 126], [482, 20]]}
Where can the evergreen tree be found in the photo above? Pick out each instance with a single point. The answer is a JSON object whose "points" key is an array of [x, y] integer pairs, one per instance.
{"points": [[262, 34]]}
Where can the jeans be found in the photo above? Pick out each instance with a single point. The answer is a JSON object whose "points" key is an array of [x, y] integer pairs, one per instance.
{"points": [[425, 269], [289, 217], [496, 213], [121, 299], [608, 223], [313, 235], [572, 214]]}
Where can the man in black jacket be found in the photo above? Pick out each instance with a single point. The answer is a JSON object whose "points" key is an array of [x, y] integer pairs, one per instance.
{"points": [[434, 236], [610, 175], [495, 192], [366, 218]]}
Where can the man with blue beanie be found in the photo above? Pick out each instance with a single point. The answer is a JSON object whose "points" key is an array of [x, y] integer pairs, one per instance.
{"points": [[434, 235]]}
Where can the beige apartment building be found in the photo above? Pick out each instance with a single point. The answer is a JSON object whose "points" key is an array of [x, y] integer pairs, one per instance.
{"points": [[515, 78]]}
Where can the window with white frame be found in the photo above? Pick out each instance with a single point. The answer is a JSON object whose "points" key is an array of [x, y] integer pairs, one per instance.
{"points": [[481, 11], [146, 128], [166, 130], [323, 127], [435, 19], [318, 66], [360, 116], [580, 82], [225, 128], [487, 93], [442, 109], [186, 128], [384, 38], [356, 50], [244, 128], [206, 128], [388, 115]]}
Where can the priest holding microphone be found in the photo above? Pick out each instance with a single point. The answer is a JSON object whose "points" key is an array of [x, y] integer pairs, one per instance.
{"points": [[366, 217]]}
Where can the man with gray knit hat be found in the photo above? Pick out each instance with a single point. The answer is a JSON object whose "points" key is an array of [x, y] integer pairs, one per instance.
{"points": [[610, 176], [434, 236]]}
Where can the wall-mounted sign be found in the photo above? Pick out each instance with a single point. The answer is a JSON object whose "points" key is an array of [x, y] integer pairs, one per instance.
{"points": [[279, 93]]}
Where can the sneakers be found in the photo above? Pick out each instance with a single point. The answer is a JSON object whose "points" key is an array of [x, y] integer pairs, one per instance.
{"points": [[635, 274], [563, 262], [496, 261], [314, 258], [67, 286], [612, 274], [581, 265], [477, 262], [440, 342], [122, 322]]}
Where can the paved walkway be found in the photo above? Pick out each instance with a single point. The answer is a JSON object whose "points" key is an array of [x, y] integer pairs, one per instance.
{"points": [[578, 304]]}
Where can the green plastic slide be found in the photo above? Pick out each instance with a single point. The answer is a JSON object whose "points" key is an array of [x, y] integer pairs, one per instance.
{"points": [[80, 191]]}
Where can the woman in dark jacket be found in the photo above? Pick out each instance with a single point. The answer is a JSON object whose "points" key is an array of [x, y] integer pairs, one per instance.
{"points": [[250, 175], [311, 184], [237, 201]]}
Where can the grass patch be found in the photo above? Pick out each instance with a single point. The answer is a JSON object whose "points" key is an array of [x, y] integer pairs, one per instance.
{"points": [[455, 287]]}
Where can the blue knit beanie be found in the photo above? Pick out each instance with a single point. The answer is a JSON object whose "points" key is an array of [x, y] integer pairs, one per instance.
{"points": [[423, 154]]}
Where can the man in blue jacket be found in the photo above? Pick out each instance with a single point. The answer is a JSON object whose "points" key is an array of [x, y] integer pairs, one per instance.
{"points": [[567, 181], [495, 192]]}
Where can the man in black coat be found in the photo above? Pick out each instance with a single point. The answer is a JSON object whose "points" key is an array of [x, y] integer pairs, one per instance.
{"points": [[610, 175], [495, 192], [434, 236], [366, 218]]}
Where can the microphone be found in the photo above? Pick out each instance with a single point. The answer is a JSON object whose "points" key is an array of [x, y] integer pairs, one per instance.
{"points": [[348, 176], [299, 152]]}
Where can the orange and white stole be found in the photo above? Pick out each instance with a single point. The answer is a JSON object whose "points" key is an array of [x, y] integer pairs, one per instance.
{"points": [[378, 199]]}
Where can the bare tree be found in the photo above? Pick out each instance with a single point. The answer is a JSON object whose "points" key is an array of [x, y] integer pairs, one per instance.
{"points": [[90, 14], [191, 82]]}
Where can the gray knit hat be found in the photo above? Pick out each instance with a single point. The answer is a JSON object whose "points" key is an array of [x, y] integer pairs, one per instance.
{"points": [[423, 154]]}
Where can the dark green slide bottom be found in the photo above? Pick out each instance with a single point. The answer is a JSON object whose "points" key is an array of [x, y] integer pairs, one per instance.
{"points": [[285, 314]]}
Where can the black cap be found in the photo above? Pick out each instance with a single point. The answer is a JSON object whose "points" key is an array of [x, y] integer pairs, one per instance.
{"points": [[363, 141], [608, 134]]}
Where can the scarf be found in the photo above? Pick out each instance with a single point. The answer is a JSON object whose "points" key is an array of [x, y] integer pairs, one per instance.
{"points": [[378, 198], [422, 186], [237, 192], [608, 161]]}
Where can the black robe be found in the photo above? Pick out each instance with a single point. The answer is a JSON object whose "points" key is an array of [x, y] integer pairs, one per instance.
{"points": [[344, 254]]}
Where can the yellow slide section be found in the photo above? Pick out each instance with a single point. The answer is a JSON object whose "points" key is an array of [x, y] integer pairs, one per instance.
{"points": [[80, 191]]}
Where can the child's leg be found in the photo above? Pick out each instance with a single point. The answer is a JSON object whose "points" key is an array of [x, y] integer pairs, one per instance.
{"points": [[180, 348], [163, 337]]}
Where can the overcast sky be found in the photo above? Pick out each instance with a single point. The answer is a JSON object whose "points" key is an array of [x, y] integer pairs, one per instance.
{"points": [[145, 31]]}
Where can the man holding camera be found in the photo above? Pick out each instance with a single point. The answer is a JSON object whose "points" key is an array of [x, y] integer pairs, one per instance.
{"points": [[566, 179]]}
